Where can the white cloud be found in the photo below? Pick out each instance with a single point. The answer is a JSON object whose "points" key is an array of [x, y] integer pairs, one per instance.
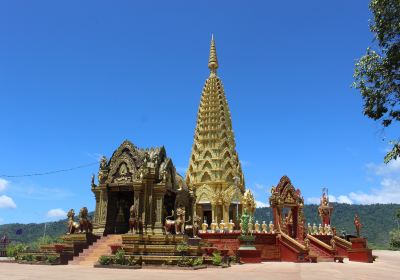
{"points": [[388, 190], [390, 169], [7, 202], [332, 198], [313, 200], [56, 213], [3, 184], [343, 199], [259, 186], [261, 204]]}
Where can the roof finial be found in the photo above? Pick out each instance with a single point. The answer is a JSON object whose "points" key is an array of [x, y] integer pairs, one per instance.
{"points": [[213, 61]]}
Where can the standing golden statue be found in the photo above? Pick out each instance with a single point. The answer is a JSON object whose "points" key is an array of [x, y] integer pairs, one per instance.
{"points": [[357, 224]]}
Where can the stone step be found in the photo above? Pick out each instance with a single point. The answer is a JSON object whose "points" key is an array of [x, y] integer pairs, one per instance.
{"points": [[90, 255]]}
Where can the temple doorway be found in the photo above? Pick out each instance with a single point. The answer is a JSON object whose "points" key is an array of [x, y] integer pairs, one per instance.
{"points": [[120, 203], [287, 207], [289, 221], [169, 204], [205, 212], [207, 217]]}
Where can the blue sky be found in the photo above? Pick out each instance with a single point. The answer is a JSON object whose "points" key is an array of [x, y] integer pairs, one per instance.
{"points": [[79, 77]]}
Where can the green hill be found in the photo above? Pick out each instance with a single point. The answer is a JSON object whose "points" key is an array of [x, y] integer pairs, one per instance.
{"points": [[377, 220]]}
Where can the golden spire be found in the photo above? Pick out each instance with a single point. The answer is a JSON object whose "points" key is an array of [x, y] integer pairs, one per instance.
{"points": [[213, 61], [215, 174]]}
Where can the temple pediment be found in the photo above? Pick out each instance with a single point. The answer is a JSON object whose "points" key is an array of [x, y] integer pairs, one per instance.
{"points": [[285, 194]]}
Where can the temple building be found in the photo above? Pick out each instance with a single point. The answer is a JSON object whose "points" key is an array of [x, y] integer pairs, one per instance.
{"points": [[215, 173], [144, 178]]}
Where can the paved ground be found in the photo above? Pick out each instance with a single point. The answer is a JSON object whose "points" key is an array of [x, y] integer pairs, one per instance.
{"points": [[387, 266]]}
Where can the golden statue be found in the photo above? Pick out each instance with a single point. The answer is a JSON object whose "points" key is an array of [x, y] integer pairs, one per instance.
{"points": [[333, 244], [72, 225], [222, 226], [214, 226], [315, 229], [204, 226], [271, 227], [231, 226], [264, 227], [248, 202], [85, 225], [307, 243], [320, 230], [257, 227], [324, 200]]}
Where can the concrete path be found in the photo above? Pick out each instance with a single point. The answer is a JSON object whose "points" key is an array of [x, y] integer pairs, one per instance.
{"points": [[387, 266]]}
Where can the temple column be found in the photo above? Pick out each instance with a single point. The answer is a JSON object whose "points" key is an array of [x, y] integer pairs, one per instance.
{"points": [[101, 211], [200, 212], [149, 208], [159, 192], [225, 213], [97, 208], [213, 213], [138, 201]]}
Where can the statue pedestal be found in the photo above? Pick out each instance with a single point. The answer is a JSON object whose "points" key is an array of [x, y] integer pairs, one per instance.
{"points": [[79, 241], [359, 251], [247, 251]]}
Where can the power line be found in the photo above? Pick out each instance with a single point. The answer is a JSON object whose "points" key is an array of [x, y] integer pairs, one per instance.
{"points": [[50, 172]]}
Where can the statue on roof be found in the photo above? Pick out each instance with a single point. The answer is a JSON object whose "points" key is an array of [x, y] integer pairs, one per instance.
{"points": [[103, 162]]}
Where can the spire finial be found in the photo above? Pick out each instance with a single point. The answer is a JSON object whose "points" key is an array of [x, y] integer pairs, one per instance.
{"points": [[213, 61]]}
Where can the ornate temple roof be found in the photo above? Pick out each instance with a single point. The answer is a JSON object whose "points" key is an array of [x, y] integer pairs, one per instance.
{"points": [[285, 194], [127, 161], [214, 161]]}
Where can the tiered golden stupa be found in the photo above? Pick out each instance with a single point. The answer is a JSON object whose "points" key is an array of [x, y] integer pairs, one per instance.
{"points": [[215, 173]]}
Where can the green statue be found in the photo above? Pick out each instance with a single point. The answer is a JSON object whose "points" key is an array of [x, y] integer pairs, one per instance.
{"points": [[245, 220]]}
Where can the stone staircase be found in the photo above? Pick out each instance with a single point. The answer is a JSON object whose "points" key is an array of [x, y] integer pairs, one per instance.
{"points": [[91, 255], [321, 255]]}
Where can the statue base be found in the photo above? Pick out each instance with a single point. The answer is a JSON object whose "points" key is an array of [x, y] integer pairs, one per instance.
{"points": [[79, 241], [359, 251], [247, 251]]}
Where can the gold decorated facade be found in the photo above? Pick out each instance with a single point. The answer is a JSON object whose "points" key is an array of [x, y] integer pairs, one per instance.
{"points": [[215, 173]]}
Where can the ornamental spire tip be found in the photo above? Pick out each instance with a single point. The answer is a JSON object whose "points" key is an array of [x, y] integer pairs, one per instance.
{"points": [[213, 61]]}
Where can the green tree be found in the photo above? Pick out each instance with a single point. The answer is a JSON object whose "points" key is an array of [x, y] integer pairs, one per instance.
{"points": [[395, 239], [377, 73]]}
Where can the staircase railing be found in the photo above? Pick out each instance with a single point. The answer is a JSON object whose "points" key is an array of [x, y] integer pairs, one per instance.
{"points": [[321, 243], [293, 242], [342, 242]]}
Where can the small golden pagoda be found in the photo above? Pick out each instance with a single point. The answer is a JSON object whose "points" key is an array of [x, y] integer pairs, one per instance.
{"points": [[215, 173]]}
